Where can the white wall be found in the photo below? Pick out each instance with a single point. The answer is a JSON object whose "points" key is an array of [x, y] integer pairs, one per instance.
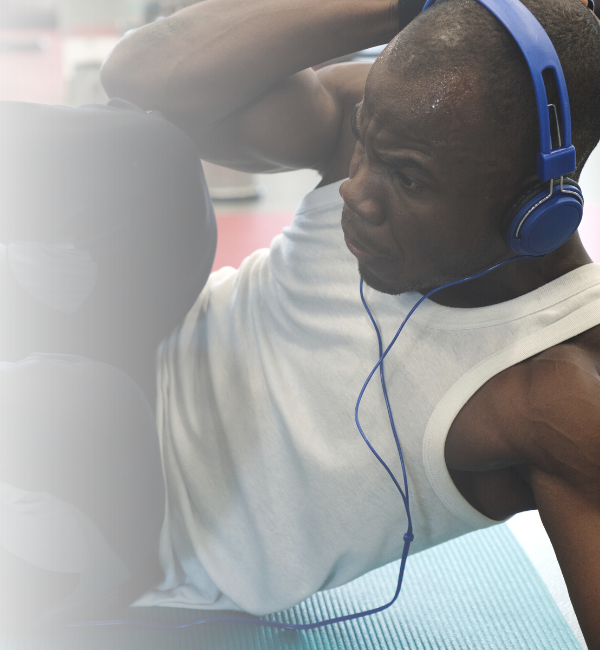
{"points": [[89, 13]]}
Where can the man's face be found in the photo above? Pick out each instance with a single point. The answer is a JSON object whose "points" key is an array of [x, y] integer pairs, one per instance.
{"points": [[427, 190]]}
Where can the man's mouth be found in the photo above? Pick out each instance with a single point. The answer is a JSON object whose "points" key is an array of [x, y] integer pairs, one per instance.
{"points": [[368, 252], [360, 254]]}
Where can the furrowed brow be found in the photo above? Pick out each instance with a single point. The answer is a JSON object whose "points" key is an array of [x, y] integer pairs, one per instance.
{"points": [[394, 161], [401, 161]]}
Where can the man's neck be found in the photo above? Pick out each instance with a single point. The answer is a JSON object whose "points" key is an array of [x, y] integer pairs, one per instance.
{"points": [[515, 279]]}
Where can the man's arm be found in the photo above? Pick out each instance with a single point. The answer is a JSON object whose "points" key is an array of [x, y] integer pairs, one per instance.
{"points": [[236, 75], [552, 406], [571, 515], [530, 438], [565, 476]]}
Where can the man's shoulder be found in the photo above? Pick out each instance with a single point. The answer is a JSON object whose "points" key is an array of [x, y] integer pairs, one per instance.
{"points": [[523, 412], [540, 417], [563, 369], [557, 405]]}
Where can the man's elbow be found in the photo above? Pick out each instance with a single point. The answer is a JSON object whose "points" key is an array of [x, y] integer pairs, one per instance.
{"points": [[111, 77], [123, 76]]}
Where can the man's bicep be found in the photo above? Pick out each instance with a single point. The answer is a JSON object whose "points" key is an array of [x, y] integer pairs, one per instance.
{"points": [[296, 124]]}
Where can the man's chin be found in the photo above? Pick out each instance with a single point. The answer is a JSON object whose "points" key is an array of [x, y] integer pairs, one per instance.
{"points": [[383, 286]]}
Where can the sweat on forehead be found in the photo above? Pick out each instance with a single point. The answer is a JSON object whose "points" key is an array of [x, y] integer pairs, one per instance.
{"points": [[434, 109], [457, 57]]}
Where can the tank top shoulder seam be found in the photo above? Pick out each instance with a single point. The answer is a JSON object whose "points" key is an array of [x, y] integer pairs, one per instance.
{"points": [[496, 323], [565, 289]]}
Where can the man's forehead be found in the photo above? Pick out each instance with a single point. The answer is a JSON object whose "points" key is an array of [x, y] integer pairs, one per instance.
{"points": [[438, 108]]}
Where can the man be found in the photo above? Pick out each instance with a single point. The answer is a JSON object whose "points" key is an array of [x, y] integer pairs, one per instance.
{"points": [[270, 495]]}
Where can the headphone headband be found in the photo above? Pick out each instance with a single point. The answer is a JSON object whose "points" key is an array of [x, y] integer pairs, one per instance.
{"points": [[540, 55]]}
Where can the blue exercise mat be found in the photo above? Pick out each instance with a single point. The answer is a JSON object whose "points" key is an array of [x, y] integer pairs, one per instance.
{"points": [[479, 592]]}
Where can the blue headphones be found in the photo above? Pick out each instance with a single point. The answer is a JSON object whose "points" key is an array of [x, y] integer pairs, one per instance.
{"points": [[549, 211]]}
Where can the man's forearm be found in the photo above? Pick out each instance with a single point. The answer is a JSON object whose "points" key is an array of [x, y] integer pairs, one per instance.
{"points": [[218, 55]]}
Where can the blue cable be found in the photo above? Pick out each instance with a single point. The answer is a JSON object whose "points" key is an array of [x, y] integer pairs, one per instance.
{"points": [[408, 536]]}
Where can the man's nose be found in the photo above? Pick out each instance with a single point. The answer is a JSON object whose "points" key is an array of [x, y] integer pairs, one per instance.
{"points": [[360, 193]]}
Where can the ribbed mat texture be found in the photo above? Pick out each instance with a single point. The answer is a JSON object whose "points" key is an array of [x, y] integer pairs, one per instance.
{"points": [[478, 592]]}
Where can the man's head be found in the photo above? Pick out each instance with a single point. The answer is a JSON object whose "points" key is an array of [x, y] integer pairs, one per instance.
{"points": [[448, 136]]}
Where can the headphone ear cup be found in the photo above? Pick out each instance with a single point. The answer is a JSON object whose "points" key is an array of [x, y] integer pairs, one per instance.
{"points": [[539, 223]]}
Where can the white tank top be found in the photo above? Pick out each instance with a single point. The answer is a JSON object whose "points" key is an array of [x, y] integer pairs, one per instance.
{"points": [[272, 494]]}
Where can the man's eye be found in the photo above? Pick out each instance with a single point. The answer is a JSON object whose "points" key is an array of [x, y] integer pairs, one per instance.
{"points": [[409, 183]]}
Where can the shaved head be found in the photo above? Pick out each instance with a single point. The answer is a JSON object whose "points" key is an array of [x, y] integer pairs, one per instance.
{"points": [[447, 137], [461, 63]]}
